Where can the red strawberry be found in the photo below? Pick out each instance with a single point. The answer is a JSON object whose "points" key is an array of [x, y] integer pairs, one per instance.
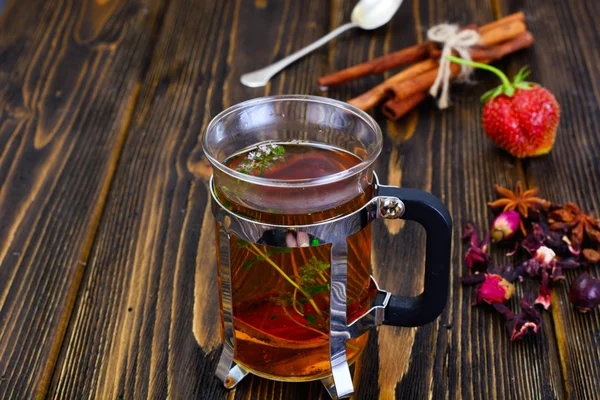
{"points": [[520, 117]]}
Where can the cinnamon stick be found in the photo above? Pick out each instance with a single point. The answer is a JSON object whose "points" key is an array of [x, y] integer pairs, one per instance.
{"points": [[409, 55], [372, 97], [518, 16], [378, 65], [421, 76], [502, 33], [395, 109], [407, 88]]}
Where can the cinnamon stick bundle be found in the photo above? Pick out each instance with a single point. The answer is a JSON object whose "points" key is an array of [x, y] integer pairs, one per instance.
{"points": [[411, 92], [495, 32], [490, 36]]}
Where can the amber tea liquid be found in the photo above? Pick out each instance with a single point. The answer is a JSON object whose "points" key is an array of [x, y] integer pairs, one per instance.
{"points": [[280, 294]]}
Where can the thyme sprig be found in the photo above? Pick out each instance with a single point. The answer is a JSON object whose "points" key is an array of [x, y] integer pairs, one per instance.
{"points": [[310, 280], [262, 159]]}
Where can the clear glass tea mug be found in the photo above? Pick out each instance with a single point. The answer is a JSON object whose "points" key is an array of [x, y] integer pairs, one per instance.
{"points": [[293, 195]]}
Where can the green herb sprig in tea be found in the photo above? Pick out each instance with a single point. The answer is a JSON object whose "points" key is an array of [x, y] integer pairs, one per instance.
{"points": [[261, 159]]}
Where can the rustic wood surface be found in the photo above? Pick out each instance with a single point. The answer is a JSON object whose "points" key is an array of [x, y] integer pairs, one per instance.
{"points": [[107, 275]]}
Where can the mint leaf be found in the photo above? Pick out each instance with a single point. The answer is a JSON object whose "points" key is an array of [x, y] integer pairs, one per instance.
{"points": [[241, 244], [318, 289], [249, 263]]}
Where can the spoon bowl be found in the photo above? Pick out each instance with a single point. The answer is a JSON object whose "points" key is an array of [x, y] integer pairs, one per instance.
{"points": [[372, 14]]}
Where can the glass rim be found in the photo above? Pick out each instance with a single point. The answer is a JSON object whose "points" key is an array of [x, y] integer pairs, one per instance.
{"points": [[323, 180]]}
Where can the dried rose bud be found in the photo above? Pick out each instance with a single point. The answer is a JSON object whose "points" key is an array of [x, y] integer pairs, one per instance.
{"points": [[505, 225], [494, 289], [585, 292]]}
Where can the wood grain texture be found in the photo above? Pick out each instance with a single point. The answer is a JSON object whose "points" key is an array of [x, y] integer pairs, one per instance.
{"points": [[68, 76], [146, 324], [565, 59], [145, 321], [466, 353], [474, 358]]}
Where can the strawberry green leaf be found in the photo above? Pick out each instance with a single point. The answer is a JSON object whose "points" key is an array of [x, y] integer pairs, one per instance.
{"points": [[490, 94], [521, 75], [524, 85]]}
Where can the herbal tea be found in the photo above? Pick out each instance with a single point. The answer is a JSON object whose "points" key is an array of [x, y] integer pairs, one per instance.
{"points": [[280, 288]]}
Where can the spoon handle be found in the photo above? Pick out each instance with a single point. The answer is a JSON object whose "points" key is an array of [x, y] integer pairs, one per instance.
{"points": [[261, 77]]}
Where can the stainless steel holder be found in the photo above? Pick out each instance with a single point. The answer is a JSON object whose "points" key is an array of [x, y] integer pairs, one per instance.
{"points": [[334, 232]]}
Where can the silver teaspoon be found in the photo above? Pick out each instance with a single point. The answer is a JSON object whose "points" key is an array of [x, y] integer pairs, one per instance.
{"points": [[367, 14]]}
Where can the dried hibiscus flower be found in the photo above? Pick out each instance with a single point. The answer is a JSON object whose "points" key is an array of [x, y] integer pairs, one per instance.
{"points": [[553, 239], [520, 201], [477, 257], [527, 321], [544, 265], [541, 235], [569, 218], [508, 272]]}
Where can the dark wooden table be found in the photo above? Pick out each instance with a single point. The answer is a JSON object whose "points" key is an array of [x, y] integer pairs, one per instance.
{"points": [[107, 277]]}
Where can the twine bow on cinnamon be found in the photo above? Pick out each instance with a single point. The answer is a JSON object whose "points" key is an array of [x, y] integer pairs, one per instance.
{"points": [[452, 39]]}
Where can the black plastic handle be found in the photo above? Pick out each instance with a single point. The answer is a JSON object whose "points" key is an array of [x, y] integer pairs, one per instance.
{"points": [[427, 210]]}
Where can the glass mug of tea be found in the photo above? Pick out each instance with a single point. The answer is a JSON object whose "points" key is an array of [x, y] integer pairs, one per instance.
{"points": [[293, 194]]}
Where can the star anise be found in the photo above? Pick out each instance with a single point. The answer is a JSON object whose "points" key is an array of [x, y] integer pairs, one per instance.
{"points": [[519, 200], [570, 218], [591, 255]]}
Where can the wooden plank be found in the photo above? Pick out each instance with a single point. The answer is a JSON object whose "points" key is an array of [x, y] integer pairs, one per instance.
{"points": [[146, 324], [565, 59], [474, 358], [466, 353], [68, 81], [131, 333]]}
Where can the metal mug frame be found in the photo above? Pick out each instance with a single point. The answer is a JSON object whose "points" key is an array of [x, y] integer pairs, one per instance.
{"points": [[334, 232]]}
